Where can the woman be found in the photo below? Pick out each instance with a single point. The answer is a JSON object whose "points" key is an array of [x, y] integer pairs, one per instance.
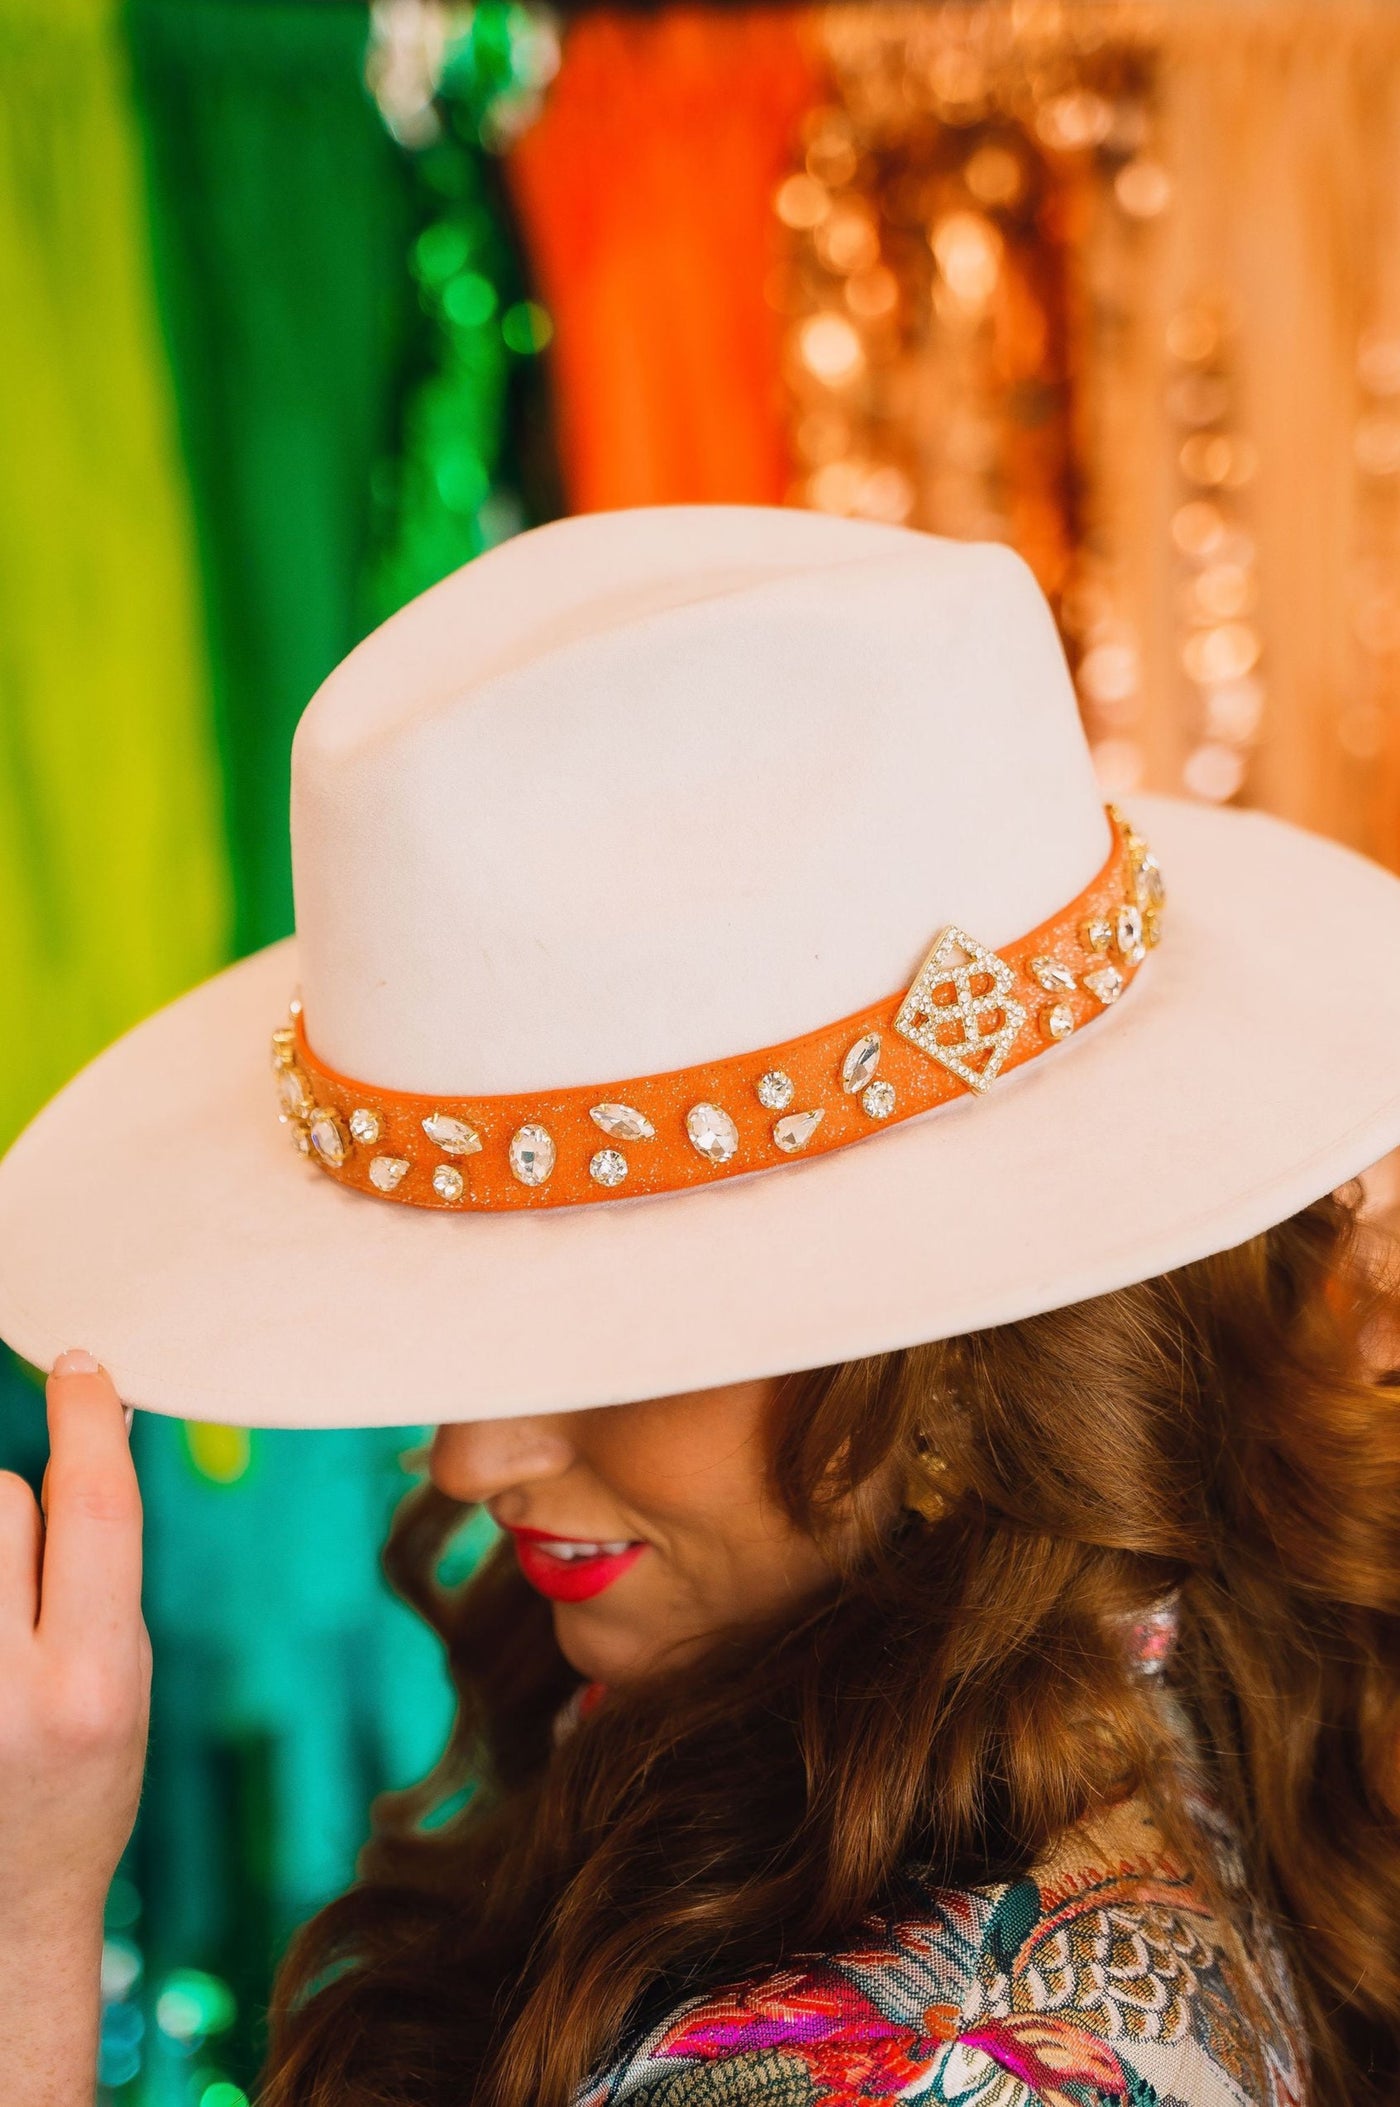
{"points": [[1004, 1709]]}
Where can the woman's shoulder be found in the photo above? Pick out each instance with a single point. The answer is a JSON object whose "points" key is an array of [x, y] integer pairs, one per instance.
{"points": [[1101, 1977]]}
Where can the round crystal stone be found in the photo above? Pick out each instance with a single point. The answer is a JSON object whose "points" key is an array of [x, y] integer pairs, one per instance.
{"points": [[447, 1182], [624, 1121], [774, 1090], [364, 1124], [877, 1098], [532, 1154], [453, 1136], [1057, 1019], [861, 1062], [797, 1129], [328, 1137], [294, 1093], [608, 1167], [385, 1172], [712, 1132]]}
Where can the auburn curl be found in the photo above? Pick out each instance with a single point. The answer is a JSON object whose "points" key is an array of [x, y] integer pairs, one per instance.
{"points": [[958, 1698]]}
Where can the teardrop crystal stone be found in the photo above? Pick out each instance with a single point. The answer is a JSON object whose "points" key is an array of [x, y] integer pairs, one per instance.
{"points": [[293, 1092], [861, 1063], [385, 1172], [712, 1132], [797, 1129], [623, 1121], [532, 1154], [328, 1137], [453, 1136]]}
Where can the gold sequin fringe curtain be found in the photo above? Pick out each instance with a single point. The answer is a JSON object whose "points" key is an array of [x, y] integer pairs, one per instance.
{"points": [[1121, 284]]}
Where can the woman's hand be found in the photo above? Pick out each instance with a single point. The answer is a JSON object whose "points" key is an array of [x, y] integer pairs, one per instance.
{"points": [[75, 1679]]}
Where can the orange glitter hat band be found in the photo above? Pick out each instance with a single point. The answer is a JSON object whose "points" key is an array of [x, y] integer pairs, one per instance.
{"points": [[968, 1015]]}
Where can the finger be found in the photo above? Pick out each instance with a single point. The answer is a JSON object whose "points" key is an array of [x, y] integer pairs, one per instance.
{"points": [[90, 1589], [21, 1539]]}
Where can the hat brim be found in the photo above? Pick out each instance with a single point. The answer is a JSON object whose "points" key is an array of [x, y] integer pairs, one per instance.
{"points": [[155, 1213]]}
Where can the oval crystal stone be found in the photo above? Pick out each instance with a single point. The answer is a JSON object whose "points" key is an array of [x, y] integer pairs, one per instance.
{"points": [[623, 1121], [532, 1154], [294, 1093], [453, 1136], [385, 1172], [797, 1129], [861, 1062], [328, 1137], [712, 1132]]}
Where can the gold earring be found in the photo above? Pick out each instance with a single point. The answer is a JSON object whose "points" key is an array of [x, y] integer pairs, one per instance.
{"points": [[922, 1494]]}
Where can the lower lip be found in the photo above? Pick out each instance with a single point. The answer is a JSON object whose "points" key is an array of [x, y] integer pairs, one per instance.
{"points": [[573, 1579]]}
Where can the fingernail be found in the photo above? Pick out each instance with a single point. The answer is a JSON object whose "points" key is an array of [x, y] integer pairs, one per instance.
{"points": [[77, 1361]]}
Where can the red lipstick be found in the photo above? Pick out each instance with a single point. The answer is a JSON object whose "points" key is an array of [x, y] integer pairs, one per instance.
{"points": [[571, 1568]]}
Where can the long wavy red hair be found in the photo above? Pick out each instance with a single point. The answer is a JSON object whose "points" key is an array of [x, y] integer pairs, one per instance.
{"points": [[959, 1697]]}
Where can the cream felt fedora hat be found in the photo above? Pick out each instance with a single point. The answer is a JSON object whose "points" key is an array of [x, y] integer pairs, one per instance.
{"points": [[619, 848]]}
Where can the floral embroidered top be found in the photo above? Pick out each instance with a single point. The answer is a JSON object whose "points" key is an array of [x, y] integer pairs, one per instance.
{"points": [[1100, 1979]]}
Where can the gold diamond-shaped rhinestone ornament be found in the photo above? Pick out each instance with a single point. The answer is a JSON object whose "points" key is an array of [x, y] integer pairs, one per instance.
{"points": [[942, 996]]}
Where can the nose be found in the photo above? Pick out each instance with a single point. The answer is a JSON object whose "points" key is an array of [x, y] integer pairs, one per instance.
{"points": [[480, 1459]]}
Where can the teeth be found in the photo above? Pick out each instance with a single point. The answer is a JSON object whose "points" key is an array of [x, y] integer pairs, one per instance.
{"points": [[566, 1552]]}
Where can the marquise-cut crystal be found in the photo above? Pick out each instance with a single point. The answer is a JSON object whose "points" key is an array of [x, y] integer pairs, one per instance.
{"points": [[1053, 977], [447, 1182], [364, 1125], [1106, 982], [453, 1136], [1057, 1019], [877, 1099], [1147, 876], [774, 1089], [623, 1121], [608, 1167], [385, 1172], [861, 1062], [532, 1154], [797, 1129], [328, 1137], [294, 1093], [712, 1132]]}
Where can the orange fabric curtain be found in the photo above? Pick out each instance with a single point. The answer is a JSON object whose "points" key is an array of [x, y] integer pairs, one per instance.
{"points": [[646, 198]]}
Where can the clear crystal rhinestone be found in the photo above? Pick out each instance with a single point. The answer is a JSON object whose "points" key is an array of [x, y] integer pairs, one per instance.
{"points": [[1152, 927], [712, 1132], [1096, 935], [364, 1124], [797, 1129], [447, 1182], [609, 1167], [284, 1047], [624, 1121], [453, 1136], [532, 1154], [774, 1089], [1053, 977], [294, 1093], [1106, 982], [1057, 1019], [385, 1172], [328, 1137], [1147, 877], [877, 1098], [861, 1062], [301, 1138], [294, 1003], [1129, 934]]}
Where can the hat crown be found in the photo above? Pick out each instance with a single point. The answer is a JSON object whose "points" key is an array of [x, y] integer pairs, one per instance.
{"points": [[638, 790]]}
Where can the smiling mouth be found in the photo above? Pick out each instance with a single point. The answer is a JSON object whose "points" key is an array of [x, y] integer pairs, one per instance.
{"points": [[572, 1568]]}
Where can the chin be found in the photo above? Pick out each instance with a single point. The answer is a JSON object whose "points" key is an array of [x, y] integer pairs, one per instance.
{"points": [[600, 1648]]}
